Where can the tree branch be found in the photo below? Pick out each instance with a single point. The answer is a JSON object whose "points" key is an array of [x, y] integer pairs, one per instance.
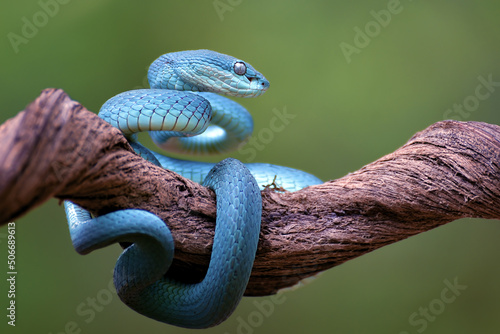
{"points": [[56, 148]]}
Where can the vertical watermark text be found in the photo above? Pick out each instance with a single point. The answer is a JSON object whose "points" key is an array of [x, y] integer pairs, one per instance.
{"points": [[11, 273]]}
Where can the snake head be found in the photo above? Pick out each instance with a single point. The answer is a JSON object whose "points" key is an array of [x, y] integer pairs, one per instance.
{"points": [[206, 71]]}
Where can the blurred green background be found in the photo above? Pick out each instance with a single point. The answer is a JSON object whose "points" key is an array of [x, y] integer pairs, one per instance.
{"points": [[354, 98]]}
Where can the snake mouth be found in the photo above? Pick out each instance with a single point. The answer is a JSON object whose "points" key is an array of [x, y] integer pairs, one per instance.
{"points": [[258, 85], [263, 84]]}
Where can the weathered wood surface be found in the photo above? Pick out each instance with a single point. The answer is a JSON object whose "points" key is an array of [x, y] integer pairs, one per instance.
{"points": [[56, 148]]}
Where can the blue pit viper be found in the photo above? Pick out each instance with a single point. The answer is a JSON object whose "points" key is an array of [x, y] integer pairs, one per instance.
{"points": [[184, 114]]}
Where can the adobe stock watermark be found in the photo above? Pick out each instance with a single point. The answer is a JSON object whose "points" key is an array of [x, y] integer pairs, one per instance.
{"points": [[424, 316], [31, 25], [462, 111], [88, 309], [277, 123], [363, 37], [11, 274], [264, 308], [223, 6]]}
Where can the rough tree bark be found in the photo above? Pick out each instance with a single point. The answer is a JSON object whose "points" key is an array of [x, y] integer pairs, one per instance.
{"points": [[56, 148]]}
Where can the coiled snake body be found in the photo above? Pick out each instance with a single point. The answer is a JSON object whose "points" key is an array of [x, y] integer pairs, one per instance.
{"points": [[181, 104]]}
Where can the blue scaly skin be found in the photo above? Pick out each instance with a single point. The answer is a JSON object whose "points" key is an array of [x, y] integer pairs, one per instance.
{"points": [[184, 114]]}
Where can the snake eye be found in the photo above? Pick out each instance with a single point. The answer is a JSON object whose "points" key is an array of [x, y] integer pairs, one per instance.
{"points": [[240, 68]]}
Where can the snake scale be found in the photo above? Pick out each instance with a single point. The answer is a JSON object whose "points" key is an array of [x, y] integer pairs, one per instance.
{"points": [[184, 114]]}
